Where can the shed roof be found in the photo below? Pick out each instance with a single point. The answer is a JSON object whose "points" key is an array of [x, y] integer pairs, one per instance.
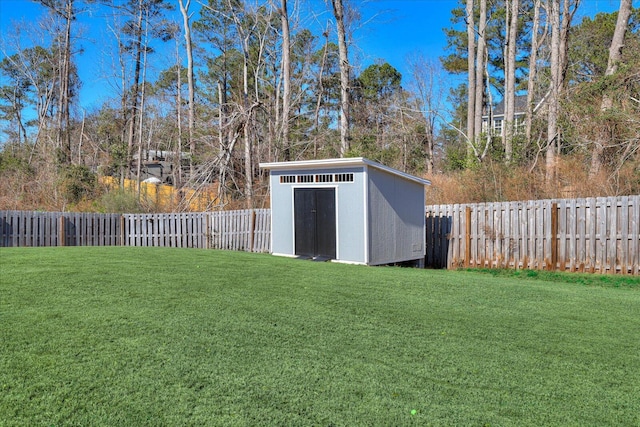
{"points": [[343, 162]]}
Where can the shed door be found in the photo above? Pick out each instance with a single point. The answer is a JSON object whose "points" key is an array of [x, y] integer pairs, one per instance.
{"points": [[315, 222]]}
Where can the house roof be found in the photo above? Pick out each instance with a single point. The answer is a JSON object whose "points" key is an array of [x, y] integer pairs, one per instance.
{"points": [[337, 163], [520, 106]]}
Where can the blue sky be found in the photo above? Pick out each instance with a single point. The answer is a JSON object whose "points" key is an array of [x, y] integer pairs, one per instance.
{"points": [[392, 31]]}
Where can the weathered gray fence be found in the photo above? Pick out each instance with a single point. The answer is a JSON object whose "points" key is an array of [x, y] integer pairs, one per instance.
{"points": [[236, 230], [595, 235], [241, 230], [20, 228], [176, 230]]}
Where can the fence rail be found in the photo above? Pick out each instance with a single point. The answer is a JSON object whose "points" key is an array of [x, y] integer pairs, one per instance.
{"points": [[592, 235]]}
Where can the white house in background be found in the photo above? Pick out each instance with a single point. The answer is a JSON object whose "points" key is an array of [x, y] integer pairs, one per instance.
{"points": [[496, 127], [349, 210]]}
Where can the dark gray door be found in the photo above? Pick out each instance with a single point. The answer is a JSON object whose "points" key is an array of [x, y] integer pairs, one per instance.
{"points": [[315, 222]]}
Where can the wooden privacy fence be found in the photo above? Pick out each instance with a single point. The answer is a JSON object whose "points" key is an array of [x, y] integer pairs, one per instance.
{"points": [[592, 235], [20, 228], [247, 230]]}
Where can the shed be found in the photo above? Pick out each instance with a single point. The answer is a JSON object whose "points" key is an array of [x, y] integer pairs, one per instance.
{"points": [[351, 210]]}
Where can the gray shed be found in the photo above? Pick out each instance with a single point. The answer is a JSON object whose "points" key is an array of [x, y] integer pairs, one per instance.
{"points": [[349, 210]]}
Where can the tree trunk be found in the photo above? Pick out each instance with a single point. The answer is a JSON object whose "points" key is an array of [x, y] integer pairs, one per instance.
{"points": [[554, 89], [567, 18], [184, 9], [65, 11], [141, 112], [177, 158], [615, 55], [320, 93], [248, 165], [479, 70], [65, 85], [471, 77], [531, 82], [510, 79], [338, 11], [135, 91], [286, 79]]}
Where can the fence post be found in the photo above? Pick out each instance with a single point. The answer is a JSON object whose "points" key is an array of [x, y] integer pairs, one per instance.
{"points": [[554, 236], [467, 236], [62, 235]]}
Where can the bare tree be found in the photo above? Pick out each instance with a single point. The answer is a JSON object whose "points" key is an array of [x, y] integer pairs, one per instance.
{"points": [[33, 66], [429, 95], [615, 55], [560, 24], [66, 11]]}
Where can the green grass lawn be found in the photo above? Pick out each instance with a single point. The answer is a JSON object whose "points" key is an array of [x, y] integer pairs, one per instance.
{"points": [[159, 337]]}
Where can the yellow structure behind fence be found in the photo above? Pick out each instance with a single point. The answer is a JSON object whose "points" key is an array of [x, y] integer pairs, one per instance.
{"points": [[166, 198]]}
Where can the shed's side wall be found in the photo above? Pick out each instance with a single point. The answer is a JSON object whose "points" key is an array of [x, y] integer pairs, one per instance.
{"points": [[396, 218], [350, 212]]}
